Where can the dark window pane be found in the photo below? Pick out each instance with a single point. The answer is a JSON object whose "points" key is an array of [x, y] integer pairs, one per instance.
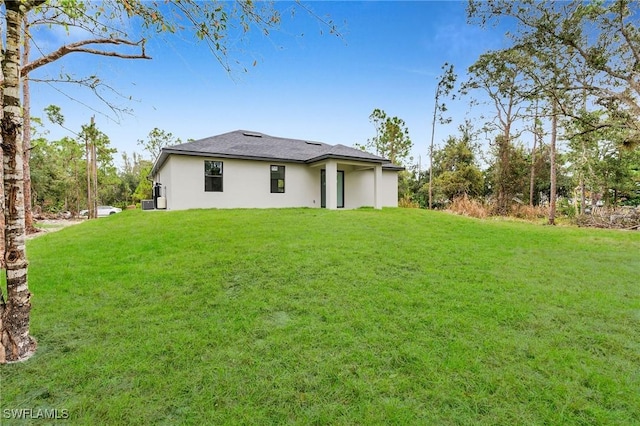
{"points": [[213, 168], [213, 176], [217, 184], [213, 183]]}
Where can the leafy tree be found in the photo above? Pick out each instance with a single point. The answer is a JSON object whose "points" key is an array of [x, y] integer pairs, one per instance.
{"points": [[613, 169], [602, 40], [601, 160], [58, 175], [502, 76], [45, 176], [455, 170], [156, 140], [133, 175], [102, 181], [507, 176], [591, 48], [536, 130], [583, 151], [412, 186], [144, 189], [392, 139]]}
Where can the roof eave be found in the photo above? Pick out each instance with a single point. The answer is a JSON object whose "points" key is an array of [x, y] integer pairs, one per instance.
{"points": [[166, 152], [394, 167], [345, 157], [157, 165]]}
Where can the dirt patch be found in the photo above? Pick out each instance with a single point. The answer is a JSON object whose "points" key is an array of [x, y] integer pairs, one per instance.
{"points": [[46, 226]]}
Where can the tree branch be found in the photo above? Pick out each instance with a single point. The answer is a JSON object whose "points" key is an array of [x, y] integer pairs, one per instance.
{"points": [[94, 85], [628, 38], [79, 47]]}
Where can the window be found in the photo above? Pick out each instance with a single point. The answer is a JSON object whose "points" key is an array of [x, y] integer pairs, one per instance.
{"points": [[277, 179], [213, 176]]}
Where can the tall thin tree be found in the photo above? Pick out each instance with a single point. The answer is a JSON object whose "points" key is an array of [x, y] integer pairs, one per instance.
{"points": [[15, 340], [445, 85]]}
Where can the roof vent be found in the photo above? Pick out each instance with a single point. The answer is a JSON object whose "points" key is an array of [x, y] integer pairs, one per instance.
{"points": [[253, 135]]}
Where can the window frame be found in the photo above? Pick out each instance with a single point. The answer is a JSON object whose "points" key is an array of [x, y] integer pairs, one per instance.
{"points": [[216, 179], [280, 176]]}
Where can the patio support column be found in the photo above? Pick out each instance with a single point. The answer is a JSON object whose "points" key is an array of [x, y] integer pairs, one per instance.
{"points": [[332, 184], [377, 186]]}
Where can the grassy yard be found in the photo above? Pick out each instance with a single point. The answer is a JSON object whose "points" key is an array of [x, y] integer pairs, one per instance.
{"points": [[331, 317]]}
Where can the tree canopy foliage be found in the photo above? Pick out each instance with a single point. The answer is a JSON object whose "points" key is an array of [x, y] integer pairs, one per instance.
{"points": [[598, 43], [456, 172], [392, 140]]}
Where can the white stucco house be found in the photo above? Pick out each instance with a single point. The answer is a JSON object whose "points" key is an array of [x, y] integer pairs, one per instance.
{"points": [[245, 169]]}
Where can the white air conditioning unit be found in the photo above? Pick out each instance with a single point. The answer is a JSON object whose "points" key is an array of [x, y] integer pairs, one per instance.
{"points": [[162, 203]]}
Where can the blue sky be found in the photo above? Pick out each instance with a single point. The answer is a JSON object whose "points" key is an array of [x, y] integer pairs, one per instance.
{"points": [[305, 85]]}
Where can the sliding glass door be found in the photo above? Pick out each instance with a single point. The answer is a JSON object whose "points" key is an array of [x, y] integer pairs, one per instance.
{"points": [[323, 188]]}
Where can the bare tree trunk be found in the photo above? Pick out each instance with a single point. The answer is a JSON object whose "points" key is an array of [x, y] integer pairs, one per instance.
{"points": [[26, 133], [504, 195], [89, 180], [532, 177], [94, 172], [2, 222], [532, 174], [552, 154], [583, 195], [433, 131], [583, 162], [15, 342], [77, 187]]}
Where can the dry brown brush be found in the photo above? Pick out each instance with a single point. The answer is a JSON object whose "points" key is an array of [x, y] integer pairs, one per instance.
{"points": [[469, 207], [612, 218]]}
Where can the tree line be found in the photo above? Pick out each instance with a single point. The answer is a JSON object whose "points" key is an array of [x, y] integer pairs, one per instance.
{"points": [[509, 174], [61, 175], [569, 78]]}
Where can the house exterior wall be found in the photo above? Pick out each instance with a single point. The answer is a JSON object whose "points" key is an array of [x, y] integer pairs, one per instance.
{"points": [[247, 184], [359, 187], [389, 188]]}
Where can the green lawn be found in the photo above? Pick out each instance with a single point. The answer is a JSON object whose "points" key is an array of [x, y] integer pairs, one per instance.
{"points": [[309, 316]]}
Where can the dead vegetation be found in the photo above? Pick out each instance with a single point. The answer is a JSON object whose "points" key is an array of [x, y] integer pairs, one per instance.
{"points": [[527, 212], [407, 203], [599, 217], [466, 206], [609, 218]]}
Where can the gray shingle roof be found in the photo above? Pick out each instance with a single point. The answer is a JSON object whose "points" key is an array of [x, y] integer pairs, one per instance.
{"points": [[259, 146]]}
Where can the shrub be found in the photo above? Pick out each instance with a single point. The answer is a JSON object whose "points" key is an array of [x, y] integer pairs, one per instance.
{"points": [[567, 209], [468, 207], [527, 212], [408, 203]]}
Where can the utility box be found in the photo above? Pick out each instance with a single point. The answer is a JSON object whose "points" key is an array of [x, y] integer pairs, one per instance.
{"points": [[161, 203], [147, 205]]}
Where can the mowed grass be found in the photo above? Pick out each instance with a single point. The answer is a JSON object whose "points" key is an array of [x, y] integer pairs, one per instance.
{"points": [[331, 317]]}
